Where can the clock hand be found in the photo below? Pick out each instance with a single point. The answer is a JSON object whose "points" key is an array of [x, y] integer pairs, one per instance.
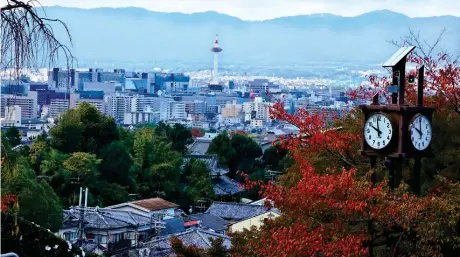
{"points": [[420, 130], [378, 130]]}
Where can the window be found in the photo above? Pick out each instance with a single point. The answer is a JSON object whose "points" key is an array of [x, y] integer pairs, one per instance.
{"points": [[101, 239], [70, 236], [115, 238]]}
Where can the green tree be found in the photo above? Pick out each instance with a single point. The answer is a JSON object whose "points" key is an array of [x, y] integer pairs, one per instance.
{"points": [[247, 151], [83, 129], [165, 180], [116, 164], [37, 200], [38, 153], [222, 146], [199, 184], [13, 136], [273, 156], [142, 146], [179, 135]]}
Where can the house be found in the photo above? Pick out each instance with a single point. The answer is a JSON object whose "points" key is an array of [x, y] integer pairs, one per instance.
{"points": [[162, 247], [207, 221], [107, 229], [242, 215], [173, 226], [148, 207], [256, 221]]}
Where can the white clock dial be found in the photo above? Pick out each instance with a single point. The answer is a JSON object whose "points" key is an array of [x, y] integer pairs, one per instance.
{"points": [[420, 132], [378, 131]]}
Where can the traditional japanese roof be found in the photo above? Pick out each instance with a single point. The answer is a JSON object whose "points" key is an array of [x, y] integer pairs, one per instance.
{"points": [[211, 160], [199, 146], [91, 247], [224, 185], [173, 226], [196, 237], [210, 221], [235, 211], [103, 219], [154, 204]]}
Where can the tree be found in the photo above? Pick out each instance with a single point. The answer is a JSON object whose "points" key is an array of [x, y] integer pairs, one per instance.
{"points": [[196, 132], [330, 208], [247, 151], [37, 154], [222, 146], [179, 135], [116, 164], [37, 200], [83, 129], [142, 146], [199, 184], [13, 136], [272, 157]]}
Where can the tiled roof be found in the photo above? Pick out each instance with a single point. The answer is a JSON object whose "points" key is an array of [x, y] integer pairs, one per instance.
{"points": [[101, 218], [154, 204], [173, 226], [209, 221], [199, 147], [191, 223], [235, 211], [224, 185], [197, 237], [211, 160]]}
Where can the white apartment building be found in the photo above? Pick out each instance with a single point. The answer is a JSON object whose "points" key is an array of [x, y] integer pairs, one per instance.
{"points": [[142, 103], [118, 105], [12, 116], [171, 109], [58, 107], [256, 110], [28, 104], [134, 118]]}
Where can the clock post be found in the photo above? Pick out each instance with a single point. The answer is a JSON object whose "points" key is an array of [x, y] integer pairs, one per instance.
{"points": [[398, 131]]}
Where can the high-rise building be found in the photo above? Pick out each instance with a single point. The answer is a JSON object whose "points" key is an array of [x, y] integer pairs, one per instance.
{"points": [[57, 107], [195, 107], [140, 103], [171, 109], [170, 82], [262, 86], [118, 105], [12, 116], [28, 104], [62, 79], [232, 110], [95, 98]]}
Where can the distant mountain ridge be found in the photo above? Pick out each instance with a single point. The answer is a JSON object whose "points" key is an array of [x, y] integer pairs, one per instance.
{"points": [[139, 35]]}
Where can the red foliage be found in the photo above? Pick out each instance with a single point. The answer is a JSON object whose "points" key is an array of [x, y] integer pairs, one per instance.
{"points": [[327, 214], [240, 132], [196, 132], [6, 201]]}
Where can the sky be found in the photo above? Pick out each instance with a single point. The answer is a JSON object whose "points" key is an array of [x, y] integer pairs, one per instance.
{"points": [[268, 9]]}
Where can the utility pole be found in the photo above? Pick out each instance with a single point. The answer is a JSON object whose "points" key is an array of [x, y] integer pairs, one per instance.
{"points": [[82, 212]]}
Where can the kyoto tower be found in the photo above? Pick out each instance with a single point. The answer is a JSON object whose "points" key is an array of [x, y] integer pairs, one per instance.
{"points": [[214, 84]]}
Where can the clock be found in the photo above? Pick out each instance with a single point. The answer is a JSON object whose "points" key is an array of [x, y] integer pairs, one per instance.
{"points": [[378, 131], [420, 132]]}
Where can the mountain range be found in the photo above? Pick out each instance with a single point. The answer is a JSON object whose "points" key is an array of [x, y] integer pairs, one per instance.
{"points": [[143, 37]]}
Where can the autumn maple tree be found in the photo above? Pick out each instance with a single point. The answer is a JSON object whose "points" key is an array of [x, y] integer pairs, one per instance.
{"points": [[329, 205]]}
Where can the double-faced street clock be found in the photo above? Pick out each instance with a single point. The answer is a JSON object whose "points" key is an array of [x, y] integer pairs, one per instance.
{"points": [[397, 131]]}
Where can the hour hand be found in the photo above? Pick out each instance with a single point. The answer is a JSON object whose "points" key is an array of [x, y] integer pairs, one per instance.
{"points": [[378, 130]]}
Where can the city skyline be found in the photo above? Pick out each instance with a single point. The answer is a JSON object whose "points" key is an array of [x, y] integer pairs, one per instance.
{"points": [[269, 9]]}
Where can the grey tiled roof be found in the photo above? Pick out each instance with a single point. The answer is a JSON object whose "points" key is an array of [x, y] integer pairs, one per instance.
{"points": [[209, 221], [211, 160], [224, 185], [195, 237], [199, 146], [235, 211], [99, 218]]}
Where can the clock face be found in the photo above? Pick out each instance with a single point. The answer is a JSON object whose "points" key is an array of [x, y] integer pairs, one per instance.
{"points": [[420, 132], [378, 131]]}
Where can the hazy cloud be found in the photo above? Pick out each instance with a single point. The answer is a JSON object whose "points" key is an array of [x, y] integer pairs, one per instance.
{"points": [[266, 9]]}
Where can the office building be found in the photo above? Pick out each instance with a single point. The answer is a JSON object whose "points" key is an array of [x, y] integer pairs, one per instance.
{"points": [[195, 107], [170, 82], [134, 118], [171, 109], [140, 103], [262, 86], [58, 78], [95, 98], [12, 116], [28, 104], [57, 107]]}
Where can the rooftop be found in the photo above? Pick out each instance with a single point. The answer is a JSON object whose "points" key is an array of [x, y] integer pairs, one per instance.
{"points": [[224, 185], [209, 221], [235, 211], [154, 204]]}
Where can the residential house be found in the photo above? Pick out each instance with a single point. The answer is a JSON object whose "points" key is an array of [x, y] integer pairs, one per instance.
{"points": [[148, 207], [207, 221], [241, 215], [107, 229], [162, 247]]}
